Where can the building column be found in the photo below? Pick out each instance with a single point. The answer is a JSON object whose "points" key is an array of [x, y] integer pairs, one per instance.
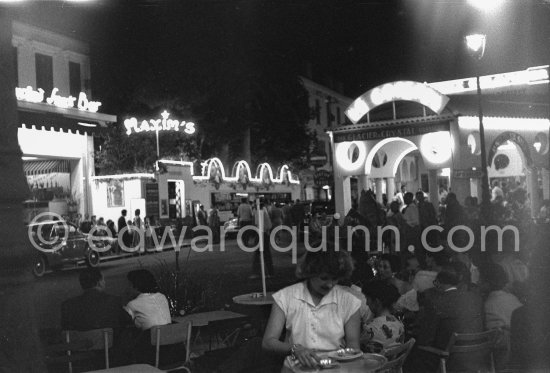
{"points": [[390, 188], [342, 194], [545, 183], [379, 187], [533, 190], [433, 187]]}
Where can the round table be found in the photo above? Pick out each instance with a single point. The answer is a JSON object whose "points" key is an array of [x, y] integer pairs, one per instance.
{"points": [[254, 299]]}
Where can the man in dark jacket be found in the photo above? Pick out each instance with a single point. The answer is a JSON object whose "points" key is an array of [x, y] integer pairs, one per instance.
{"points": [[451, 311], [94, 308]]}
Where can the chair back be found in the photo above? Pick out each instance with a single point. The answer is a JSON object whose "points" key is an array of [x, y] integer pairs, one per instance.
{"points": [[80, 345], [470, 350], [171, 334], [396, 357]]}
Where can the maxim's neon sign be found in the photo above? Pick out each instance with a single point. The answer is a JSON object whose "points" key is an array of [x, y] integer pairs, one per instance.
{"points": [[156, 125], [30, 95]]}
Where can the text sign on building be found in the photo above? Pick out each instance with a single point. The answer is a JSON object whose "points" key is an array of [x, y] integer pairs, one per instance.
{"points": [[30, 95], [466, 174], [391, 131], [164, 124]]}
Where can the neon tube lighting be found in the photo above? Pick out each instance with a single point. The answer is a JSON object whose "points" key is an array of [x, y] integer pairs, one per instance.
{"points": [[504, 124]]}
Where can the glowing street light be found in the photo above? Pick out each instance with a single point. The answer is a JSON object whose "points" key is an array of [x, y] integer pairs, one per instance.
{"points": [[476, 46], [486, 5]]}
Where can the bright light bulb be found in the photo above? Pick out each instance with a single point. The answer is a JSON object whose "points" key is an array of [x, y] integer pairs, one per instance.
{"points": [[476, 42], [537, 146]]}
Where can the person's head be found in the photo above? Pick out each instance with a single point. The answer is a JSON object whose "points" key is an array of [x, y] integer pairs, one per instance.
{"points": [[451, 198], [419, 196], [324, 269], [496, 183], [446, 278], [435, 261], [464, 275], [336, 216], [492, 277], [100, 221], [413, 265], [143, 281], [394, 207], [90, 278], [468, 201], [408, 198], [388, 266], [201, 207], [123, 212], [403, 188], [137, 212], [381, 296], [244, 200]]}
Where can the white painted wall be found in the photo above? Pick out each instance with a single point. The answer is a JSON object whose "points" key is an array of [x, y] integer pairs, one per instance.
{"points": [[133, 190]]}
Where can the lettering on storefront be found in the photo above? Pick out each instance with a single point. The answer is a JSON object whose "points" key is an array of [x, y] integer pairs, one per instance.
{"points": [[514, 137], [466, 174], [387, 132], [30, 95], [322, 178]]}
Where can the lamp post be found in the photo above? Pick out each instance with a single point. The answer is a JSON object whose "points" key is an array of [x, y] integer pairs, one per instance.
{"points": [[476, 45]]}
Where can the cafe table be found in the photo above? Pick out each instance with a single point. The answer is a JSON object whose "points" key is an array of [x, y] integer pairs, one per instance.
{"points": [[365, 364], [254, 299], [134, 368]]}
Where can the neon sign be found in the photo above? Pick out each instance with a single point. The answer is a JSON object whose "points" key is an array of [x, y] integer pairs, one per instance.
{"points": [[501, 82], [396, 91], [30, 95], [164, 124]]}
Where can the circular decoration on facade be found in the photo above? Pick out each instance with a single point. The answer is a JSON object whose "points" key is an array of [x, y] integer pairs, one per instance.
{"points": [[347, 159], [501, 162], [436, 147], [474, 143], [541, 143]]}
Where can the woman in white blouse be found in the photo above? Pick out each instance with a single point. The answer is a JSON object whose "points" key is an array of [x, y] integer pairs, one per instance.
{"points": [[318, 314]]}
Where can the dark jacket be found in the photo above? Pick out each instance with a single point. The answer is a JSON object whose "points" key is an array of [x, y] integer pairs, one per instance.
{"points": [[93, 309], [453, 311]]}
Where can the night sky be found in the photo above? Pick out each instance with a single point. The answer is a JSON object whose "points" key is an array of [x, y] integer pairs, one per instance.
{"points": [[360, 43]]}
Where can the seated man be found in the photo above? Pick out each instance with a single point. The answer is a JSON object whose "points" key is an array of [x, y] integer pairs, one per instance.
{"points": [[452, 311], [94, 308]]}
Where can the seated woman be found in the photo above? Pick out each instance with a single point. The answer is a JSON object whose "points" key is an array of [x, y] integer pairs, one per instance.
{"points": [[149, 307], [388, 266], [385, 329], [317, 313]]}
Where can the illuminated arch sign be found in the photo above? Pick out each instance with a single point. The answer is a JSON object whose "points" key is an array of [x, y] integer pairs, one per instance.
{"points": [[156, 125], [403, 90]]}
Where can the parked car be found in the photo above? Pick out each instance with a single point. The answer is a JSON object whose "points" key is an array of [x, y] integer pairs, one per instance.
{"points": [[231, 227], [58, 243]]}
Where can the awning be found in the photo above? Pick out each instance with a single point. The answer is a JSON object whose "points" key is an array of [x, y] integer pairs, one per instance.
{"points": [[46, 167], [39, 115]]}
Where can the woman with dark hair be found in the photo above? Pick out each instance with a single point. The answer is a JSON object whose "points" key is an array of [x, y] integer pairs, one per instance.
{"points": [[318, 314], [149, 307], [385, 329], [388, 266]]}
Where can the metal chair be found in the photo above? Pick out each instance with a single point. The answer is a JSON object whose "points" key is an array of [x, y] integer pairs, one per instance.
{"points": [[80, 346], [172, 334], [467, 352], [396, 357]]}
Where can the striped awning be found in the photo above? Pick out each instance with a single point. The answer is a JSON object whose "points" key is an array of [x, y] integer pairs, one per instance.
{"points": [[46, 167]]}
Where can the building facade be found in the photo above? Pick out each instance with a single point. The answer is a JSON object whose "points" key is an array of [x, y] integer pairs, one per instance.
{"points": [[327, 107], [57, 120], [426, 137]]}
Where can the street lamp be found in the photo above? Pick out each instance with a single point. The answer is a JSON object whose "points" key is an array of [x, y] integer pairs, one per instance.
{"points": [[476, 46]]}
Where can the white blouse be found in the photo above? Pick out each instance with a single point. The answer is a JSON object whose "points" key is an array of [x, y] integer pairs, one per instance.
{"points": [[148, 310], [318, 327]]}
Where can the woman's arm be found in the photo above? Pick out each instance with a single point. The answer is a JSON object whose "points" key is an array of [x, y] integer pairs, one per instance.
{"points": [[271, 341], [273, 331], [352, 330]]}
